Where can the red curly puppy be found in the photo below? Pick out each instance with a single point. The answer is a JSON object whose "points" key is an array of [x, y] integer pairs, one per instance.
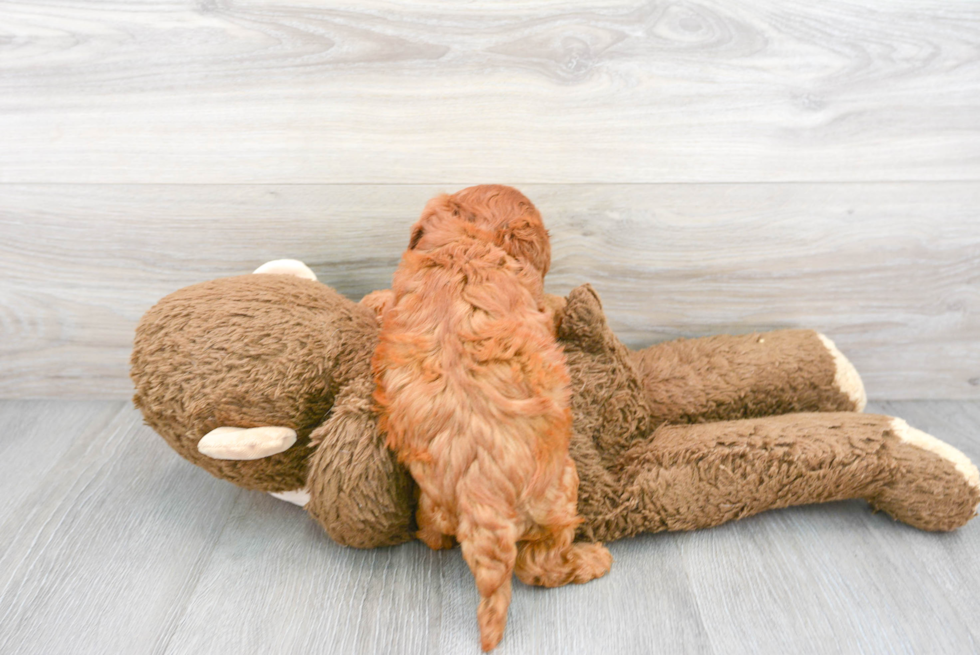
{"points": [[474, 394]]}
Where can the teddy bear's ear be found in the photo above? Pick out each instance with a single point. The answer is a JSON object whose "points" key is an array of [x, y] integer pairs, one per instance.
{"points": [[584, 323]]}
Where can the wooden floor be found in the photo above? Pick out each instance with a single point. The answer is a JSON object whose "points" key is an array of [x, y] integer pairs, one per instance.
{"points": [[110, 543]]}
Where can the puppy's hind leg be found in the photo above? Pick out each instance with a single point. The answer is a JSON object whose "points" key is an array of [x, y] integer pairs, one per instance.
{"points": [[489, 548], [435, 527], [550, 558], [555, 561]]}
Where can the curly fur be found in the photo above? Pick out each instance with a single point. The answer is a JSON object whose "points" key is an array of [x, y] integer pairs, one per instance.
{"points": [[474, 393]]}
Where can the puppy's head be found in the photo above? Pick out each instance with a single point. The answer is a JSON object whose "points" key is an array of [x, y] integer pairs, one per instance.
{"points": [[490, 212]]}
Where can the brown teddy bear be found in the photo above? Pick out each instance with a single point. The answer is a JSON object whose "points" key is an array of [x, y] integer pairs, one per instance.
{"points": [[264, 380]]}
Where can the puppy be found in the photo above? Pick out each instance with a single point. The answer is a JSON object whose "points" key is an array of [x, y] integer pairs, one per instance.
{"points": [[474, 396]]}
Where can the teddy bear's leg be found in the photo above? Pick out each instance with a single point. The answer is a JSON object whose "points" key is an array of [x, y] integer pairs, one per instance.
{"points": [[718, 378], [846, 377], [924, 493], [728, 377], [287, 267], [698, 476]]}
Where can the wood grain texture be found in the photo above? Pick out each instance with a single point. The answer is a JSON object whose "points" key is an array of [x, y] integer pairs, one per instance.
{"points": [[214, 91], [121, 546], [100, 556], [779, 582], [889, 271]]}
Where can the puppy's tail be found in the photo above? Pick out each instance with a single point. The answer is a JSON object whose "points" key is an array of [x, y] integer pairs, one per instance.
{"points": [[488, 540]]}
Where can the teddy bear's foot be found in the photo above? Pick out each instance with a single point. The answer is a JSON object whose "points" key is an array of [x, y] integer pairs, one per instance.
{"points": [[246, 443], [297, 496], [287, 267], [846, 376], [935, 486]]}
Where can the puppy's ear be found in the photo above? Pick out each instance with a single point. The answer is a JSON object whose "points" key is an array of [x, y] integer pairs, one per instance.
{"points": [[434, 216], [417, 234], [525, 239]]}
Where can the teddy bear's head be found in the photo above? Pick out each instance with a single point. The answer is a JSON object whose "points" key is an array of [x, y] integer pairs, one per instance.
{"points": [[249, 351]]}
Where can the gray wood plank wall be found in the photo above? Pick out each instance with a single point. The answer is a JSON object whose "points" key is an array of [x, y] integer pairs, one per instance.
{"points": [[708, 166]]}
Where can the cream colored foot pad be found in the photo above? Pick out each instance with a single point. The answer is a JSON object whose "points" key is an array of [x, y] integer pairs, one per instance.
{"points": [[296, 496], [287, 267], [246, 443]]}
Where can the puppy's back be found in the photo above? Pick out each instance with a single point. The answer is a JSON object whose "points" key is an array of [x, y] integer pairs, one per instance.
{"points": [[468, 360]]}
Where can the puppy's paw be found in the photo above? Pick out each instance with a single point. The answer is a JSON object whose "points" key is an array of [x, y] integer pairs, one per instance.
{"points": [[589, 561], [435, 539], [555, 307], [379, 302]]}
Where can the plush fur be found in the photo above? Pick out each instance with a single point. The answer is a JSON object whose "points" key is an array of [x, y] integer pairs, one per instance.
{"points": [[474, 397], [678, 436], [214, 353]]}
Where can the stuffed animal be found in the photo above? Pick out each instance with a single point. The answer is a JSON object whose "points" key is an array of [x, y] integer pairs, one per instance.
{"points": [[264, 380]]}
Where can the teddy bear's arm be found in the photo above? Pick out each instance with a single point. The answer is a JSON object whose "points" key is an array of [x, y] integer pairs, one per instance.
{"points": [[359, 493], [716, 378], [697, 476], [729, 377]]}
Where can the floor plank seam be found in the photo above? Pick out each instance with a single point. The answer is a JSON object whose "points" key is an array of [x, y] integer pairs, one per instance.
{"points": [[198, 570]]}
